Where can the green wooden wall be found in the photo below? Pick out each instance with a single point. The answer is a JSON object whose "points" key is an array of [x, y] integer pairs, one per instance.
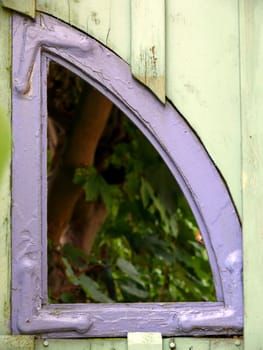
{"points": [[195, 50], [197, 46], [209, 63], [251, 50], [29, 343]]}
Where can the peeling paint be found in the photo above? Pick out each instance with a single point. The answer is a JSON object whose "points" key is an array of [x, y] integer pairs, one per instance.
{"points": [[148, 72], [148, 50], [153, 60], [94, 18]]}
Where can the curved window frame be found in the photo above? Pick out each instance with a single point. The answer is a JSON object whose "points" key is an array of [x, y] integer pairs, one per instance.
{"points": [[34, 43]]}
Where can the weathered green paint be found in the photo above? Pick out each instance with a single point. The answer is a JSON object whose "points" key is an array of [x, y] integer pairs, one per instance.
{"points": [[148, 44], [142, 341], [27, 7], [202, 57], [203, 344], [18, 342], [59, 9], [202, 61], [123, 344], [5, 158], [203, 77], [90, 17], [81, 344], [106, 20], [102, 20], [5, 143], [251, 58]]}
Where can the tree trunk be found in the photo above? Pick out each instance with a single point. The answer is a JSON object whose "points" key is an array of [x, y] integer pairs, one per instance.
{"points": [[85, 223], [64, 197]]}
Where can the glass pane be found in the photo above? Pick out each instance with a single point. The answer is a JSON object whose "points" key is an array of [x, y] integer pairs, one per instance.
{"points": [[119, 227]]}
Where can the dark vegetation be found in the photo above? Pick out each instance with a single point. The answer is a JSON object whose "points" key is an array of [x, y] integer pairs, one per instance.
{"points": [[119, 227]]}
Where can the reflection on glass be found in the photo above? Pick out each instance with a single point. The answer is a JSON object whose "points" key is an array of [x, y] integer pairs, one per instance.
{"points": [[119, 228]]}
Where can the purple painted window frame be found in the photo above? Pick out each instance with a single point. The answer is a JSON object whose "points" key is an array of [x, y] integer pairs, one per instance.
{"points": [[34, 43]]}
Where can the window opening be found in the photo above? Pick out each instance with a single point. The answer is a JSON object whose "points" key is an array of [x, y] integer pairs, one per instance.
{"points": [[47, 38], [120, 229]]}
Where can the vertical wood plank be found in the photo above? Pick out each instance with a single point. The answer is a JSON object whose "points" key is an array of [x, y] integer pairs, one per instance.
{"points": [[17, 342], [148, 44], [91, 16], [142, 341], [202, 56], [202, 78], [59, 9], [27, 7], [118, 37], [106, 20], [251, 59], [5, 159], [105, 344]]}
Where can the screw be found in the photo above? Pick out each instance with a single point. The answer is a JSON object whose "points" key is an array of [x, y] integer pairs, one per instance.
{"points": [[237, 342], [45, 343], [172, 345]]}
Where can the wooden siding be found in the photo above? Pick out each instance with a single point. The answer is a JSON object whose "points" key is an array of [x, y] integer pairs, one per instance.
{"points": [[203, 77], [29, 343], [251, 40], [26, 7], [149, 340], [106, 20], [17, 342], [122, 344], [148, 44], [195, 69], [202, 56], [200, 67]]}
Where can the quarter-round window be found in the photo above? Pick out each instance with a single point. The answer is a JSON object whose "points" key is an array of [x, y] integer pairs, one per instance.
{"points": [[119, 228], [47, 39]]}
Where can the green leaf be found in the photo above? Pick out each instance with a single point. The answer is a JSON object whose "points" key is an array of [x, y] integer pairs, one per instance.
{"points": [[91, 288], [146, 192], [75, 255], [95, 186], [70, 273], [129, 269], [67, 298], [133, 290], [132, 184]]}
